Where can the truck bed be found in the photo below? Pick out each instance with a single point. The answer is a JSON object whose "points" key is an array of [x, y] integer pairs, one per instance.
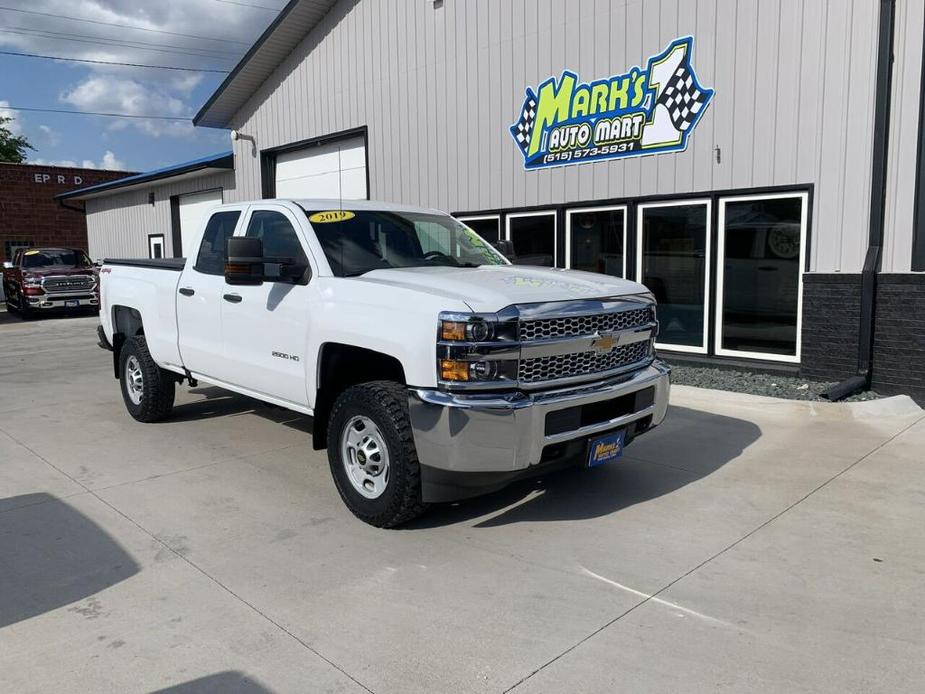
{"points": [[173, 264]]}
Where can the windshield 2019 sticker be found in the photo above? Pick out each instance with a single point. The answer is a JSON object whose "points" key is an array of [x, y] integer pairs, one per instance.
{"points": [[637, 113]]}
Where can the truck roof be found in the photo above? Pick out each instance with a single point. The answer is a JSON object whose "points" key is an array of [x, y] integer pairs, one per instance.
{"points": [[318, 204]]}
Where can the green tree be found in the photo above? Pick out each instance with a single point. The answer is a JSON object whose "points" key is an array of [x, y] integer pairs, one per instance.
{"points": [[12, 147]]}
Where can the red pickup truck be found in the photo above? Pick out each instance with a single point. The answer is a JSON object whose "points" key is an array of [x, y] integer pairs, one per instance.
{"points": [[43, 279]]}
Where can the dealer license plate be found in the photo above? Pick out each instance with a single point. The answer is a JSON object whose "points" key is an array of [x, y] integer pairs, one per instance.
{"points": [[71, 302], [604, 449]]}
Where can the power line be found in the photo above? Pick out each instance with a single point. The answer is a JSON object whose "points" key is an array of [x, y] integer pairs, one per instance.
{"points": [[96, 113], [121, 26], [245, 4], [112, 62], [126, 43]]}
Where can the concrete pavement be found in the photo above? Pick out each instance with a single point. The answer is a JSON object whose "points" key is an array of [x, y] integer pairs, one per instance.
{"points": [[747, 544]]}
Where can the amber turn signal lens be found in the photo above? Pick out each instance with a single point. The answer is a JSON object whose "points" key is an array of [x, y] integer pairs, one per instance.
{"points": [[452, 330], [454, 370]]}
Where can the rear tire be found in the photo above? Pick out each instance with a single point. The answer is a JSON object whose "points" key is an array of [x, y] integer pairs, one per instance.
{"points": [[147, 389], [372, 455]]}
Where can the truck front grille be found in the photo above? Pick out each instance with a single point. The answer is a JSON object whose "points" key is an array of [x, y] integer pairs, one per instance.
{"points": [[542, 369], [573, 326], [75, 283]]}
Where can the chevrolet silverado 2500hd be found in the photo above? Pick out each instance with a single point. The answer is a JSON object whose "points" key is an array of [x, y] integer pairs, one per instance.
{"points": [[434, 369]]}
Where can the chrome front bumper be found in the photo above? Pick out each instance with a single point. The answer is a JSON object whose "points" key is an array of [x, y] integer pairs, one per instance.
{"points": [[51, 301], [476, 433]]}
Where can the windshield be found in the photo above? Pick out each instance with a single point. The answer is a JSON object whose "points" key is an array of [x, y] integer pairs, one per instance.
{"points": [[356, 242], [55, 257]]}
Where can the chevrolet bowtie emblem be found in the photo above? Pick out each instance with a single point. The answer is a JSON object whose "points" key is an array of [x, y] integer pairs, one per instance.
{"points": [[603, 343]]}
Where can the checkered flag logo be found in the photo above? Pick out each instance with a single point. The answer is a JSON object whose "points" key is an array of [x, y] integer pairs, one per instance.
{"points": [[682, 98], [523, 128]]}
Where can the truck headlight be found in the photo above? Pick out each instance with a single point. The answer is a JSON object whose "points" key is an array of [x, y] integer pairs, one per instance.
{"points": [[464, 371], [31, 281], [475, 348], [477, 327], [476, 330]]}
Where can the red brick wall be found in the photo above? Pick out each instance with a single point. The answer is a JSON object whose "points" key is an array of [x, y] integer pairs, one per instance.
{"points": [[29, 211]]}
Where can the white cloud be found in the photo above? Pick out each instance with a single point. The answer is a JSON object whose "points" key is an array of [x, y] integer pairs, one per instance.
{"points": [[111, 94], [15, 125], [39, 161], [49, 135], [109, 161], [139, 90]]}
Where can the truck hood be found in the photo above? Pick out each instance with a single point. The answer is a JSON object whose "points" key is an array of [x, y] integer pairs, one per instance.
{"points": [[490, 288], [58, 270]]}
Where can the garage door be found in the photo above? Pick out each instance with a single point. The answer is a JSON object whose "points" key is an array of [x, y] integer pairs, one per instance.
{"points": [[332, 170], [193, 211]]}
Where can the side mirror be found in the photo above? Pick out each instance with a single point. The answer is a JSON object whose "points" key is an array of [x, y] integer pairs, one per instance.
{"points": [[505, 248], [244, 261], [7, 265]]}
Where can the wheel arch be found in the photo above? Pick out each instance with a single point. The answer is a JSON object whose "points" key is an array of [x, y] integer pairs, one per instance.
{"points": [[126, 322], [340, 366]]}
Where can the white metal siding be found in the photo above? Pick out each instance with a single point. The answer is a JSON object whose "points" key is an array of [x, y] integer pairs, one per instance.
{"points": [[905, 130], [333, 170], [193, 210], [118, 225], [438, 86]]}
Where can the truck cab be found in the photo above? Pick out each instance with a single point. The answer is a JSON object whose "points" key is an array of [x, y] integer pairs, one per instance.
{"points": [[434, 369], [46, 279]]}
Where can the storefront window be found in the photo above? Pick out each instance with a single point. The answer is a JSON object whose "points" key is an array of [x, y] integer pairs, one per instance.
{"points": [[760, 260], [595, 240], [533, 235], [488, 227], [673, 262]]}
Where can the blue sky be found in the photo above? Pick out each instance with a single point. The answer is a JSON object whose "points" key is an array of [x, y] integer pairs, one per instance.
{"points": [[149, 35]]}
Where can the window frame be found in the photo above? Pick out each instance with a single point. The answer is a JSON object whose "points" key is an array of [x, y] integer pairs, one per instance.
{"points": [[706, 202], [152, 238], [569, 211], [549, 212], [302, 234], [718, 349]]}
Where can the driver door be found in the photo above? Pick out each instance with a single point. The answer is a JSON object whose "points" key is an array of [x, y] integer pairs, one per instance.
{"points": [[265, 327]]}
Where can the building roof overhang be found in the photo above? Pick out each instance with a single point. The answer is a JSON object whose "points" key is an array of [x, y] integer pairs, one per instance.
{"points": [[215, 163], [291, 25]]}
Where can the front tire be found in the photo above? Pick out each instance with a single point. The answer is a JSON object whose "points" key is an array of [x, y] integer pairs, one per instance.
{"points": [[372, 455], [147, 389]]}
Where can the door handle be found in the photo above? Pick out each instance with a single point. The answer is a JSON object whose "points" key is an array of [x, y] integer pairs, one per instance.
{"points": [[187, 291], [233, 298]]}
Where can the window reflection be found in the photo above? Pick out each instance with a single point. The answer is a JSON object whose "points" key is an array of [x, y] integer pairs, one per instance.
{"points": [[674, 263], [761, 275], [486, 228], [597, 241], [534, 239]]}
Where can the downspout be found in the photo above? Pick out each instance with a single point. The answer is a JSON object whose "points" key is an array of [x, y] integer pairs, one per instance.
{"points": [[873, 259]]}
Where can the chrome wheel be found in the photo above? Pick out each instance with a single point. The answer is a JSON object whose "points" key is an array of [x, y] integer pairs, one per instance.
{"points": [[134, 380], [365, 457]]}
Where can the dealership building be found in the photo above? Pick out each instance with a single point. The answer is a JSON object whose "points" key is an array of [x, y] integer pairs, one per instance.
{"points": [[757, 165]]}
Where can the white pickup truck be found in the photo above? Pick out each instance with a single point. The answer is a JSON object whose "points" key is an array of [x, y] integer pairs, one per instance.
{"points": [[433, 368]]}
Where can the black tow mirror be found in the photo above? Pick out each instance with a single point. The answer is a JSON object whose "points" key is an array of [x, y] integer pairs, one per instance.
{"points": [[244, 260], [505, 248]]}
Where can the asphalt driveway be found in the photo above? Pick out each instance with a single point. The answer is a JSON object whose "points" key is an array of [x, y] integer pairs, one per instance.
{"points": [[748, 544]]}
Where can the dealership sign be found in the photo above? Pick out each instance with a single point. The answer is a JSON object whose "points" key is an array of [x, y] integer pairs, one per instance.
{"points": [[629, 115]]}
